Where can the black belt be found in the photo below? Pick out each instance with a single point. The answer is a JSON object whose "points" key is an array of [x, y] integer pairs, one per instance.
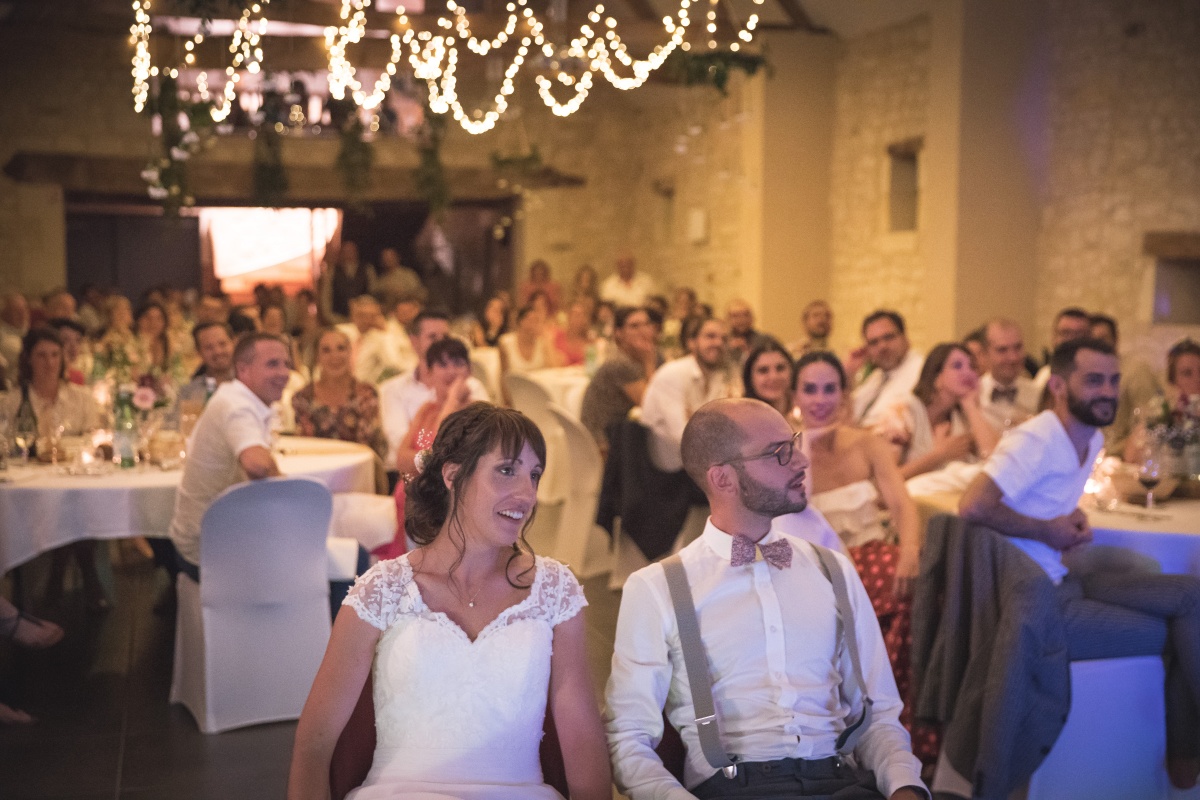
{"points": [[814, 768]]}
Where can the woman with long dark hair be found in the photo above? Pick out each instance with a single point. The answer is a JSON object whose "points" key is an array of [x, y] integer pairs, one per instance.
{"points": [[471, 638]]}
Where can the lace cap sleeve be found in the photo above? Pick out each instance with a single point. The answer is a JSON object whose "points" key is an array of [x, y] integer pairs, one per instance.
{"points": [[382, 593], [562, 596]]}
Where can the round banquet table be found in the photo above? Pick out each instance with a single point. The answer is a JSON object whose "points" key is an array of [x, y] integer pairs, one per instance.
{"points": [[42, 507]]}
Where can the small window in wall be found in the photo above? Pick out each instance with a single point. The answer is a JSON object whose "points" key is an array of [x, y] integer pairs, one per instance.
{"points": [[1177, 291], [903, 185]]}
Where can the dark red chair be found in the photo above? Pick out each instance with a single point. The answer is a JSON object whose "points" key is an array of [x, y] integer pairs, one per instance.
{"points": [[356, 746]]}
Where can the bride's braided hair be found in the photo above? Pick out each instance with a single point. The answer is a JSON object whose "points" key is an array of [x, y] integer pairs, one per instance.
{"points": [[463, 438]]}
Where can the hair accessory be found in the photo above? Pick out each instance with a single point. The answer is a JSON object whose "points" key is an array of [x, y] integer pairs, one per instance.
{"points": [[422, 458]]}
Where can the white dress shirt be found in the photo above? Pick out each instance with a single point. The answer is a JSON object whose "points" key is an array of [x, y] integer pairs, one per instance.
{"points": [[400, 398], [883, 389], [1037, 468], [234, 420], [627, 293], [1025, 406], [783, 685], [675, 391]]}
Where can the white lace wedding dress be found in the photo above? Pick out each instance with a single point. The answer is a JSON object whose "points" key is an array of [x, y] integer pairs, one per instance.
{"points": [[456, 718]]}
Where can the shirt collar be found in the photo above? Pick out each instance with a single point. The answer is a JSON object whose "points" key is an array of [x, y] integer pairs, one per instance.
{"points": [[721, 543]]}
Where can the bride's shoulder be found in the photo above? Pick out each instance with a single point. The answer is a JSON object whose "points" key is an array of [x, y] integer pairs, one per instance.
{"points": [[383, 592], [557, 590]]}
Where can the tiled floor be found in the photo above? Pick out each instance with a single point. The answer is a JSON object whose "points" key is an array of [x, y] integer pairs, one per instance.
{"points": [[106, 730]]}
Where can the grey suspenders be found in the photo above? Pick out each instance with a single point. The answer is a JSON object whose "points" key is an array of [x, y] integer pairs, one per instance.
{"points": [[696, 665]]}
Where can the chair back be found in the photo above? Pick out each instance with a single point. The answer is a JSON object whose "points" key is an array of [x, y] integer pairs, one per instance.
{"points": [[263, 543], [533, 400], [579, 541]]}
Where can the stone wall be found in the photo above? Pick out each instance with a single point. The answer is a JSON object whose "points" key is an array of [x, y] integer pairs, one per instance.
{"points": [[654, 160], [1124, 158], [881, 97]]}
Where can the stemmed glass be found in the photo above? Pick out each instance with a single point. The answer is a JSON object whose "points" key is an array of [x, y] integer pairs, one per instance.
{"points": [[1149, 474], [24, 435]]}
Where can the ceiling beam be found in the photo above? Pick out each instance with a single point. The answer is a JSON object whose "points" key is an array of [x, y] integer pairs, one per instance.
{"points": [[799, 16]]}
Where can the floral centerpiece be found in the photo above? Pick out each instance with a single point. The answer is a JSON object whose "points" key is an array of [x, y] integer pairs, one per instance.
{"points": [[1177, 428]]}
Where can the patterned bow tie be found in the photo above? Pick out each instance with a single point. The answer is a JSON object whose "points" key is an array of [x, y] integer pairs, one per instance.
{"points": [[1001, 394], [778, 553]]}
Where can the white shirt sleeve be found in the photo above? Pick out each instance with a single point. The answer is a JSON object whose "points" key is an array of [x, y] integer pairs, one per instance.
{"points": [[1010, 464], [664, 412], [243, 430], [637, 690]]}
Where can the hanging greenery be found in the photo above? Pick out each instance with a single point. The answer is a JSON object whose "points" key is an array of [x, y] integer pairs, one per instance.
{"points": [[354, 159], [208, 9], [184, 128], [270, 176], [711, 68], [430, 174], [526, 164]]}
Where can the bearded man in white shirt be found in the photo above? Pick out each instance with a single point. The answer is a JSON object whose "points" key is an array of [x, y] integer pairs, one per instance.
{"points": [[896, 367], [783, 688], [1029, 490], [681, 386], [1007, 395]]}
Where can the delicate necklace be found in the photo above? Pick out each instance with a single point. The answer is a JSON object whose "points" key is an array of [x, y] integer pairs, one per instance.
{"points": [[471, 602]]}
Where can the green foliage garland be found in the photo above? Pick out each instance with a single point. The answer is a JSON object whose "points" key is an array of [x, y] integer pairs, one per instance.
{"points": [[712, 68], [354, 159], [270, 177]]}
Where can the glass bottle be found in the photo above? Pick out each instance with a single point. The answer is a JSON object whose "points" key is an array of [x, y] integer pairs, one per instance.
{"points": [[125, 434]]}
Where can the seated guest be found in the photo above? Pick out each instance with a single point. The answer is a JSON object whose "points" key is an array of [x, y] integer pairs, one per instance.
{"points": [[29, 632], [450, 724], [941, 420], [59, 408], [386, 351], [853, 475], [1029, 490], [117, 340], [742, 336], [491, 324], [784, 685], [620, 382], [1007, 394], [400, 398], [365, 316], [1139, 386], [895, 367], [572, 341], [1183, 372], [214, 345], [77, 361], [627, 286], [213, 308], [817, 320], [681, 386], [231, 441], [59, 304], [155, 355], [337, 405], [14, 324], [540, 281], [449, 370], [768, 375], [683, 306], [274, 322], [1069, 324], [396, 280], [526, 348]]}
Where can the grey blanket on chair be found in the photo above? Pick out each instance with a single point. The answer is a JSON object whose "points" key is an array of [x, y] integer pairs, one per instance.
{"points": [[989, 655]]}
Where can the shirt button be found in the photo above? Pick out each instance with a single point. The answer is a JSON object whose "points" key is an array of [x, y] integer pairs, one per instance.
{"points": [[774, 629]]}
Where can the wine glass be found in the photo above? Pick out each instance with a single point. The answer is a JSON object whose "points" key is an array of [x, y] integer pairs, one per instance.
{"points": [[24, 435], [1149, 474]]}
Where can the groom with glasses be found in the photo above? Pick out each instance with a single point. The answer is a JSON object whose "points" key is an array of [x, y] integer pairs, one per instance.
{"points": [[803, 699]]}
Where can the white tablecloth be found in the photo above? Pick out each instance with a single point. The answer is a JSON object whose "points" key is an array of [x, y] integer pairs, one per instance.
{"points": [[566, 386], [41, 508], [1170, 533]]}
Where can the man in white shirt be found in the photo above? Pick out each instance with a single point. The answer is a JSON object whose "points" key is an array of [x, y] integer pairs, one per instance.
{"points": [[1007, 394], [896, 367], [679, 387], [1029, 490], [784, 688], [817, 320], [387, 352], [401, 397], [232, 440], [627, 286]]}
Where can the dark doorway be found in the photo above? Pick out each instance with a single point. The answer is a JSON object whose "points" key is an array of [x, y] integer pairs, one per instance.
{"points": [[130, 251]]}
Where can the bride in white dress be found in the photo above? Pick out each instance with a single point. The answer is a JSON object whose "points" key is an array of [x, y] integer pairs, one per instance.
{"points": [[470, 638]]}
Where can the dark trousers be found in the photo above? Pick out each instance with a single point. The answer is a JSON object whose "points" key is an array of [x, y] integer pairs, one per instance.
{"points": [[811, 779], [1113, 615]]}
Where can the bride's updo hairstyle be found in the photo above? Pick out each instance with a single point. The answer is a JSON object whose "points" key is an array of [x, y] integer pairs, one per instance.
{"points": [[463, 438]]}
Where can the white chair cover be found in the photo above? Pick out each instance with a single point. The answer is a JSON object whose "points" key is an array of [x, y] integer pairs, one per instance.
{"points": [[369, 519], [531, 399], [250, 636], [580, 542]]}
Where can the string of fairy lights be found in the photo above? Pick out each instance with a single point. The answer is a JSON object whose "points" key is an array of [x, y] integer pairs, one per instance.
{"points": [[434, 55]]}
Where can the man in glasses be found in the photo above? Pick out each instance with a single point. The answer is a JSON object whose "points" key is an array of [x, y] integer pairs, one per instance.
{"points": [[784, 685], [895, 367]]}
